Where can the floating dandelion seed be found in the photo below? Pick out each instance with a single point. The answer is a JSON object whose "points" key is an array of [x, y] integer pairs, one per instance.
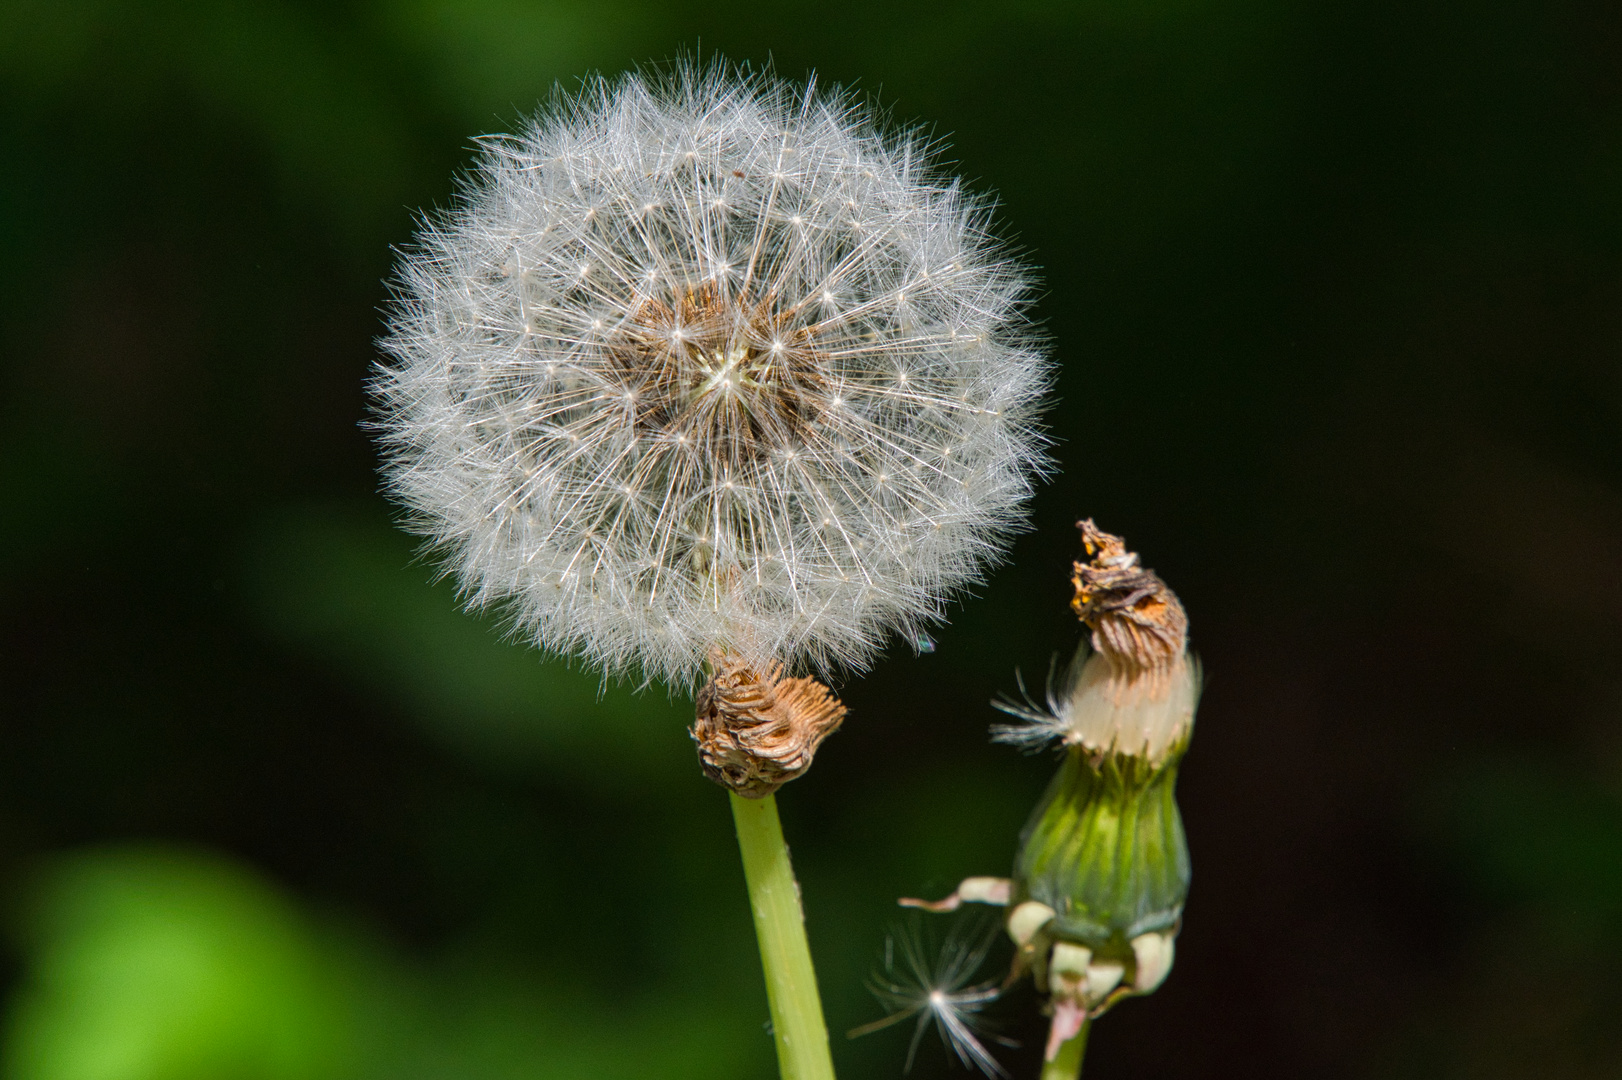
{"points": [[939, 991], [707, 362]]}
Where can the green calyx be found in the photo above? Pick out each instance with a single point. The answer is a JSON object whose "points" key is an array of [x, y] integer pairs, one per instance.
{"points": [[1105, 850]]}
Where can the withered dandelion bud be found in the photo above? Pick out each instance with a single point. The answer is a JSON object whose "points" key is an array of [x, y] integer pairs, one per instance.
{"points": [[756, 730], [1102, 871], [1138, 623], [1134, 691]]}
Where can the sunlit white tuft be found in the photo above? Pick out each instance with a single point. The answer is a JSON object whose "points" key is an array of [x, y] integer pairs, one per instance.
{"points": [[1096, 707], [708, 361], [939, 991]]}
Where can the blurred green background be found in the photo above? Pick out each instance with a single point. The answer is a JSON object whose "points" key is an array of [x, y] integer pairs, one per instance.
{"points": [[1337, 290]]}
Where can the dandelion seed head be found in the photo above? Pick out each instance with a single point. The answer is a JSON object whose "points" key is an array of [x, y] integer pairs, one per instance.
{"points": [[676, 371]]}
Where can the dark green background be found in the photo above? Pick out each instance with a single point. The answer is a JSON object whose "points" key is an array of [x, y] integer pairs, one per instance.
{"points": [[1337, 294]]}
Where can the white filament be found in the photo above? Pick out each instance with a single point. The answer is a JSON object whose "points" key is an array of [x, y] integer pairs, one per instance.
{"points": [[1108, 709]]}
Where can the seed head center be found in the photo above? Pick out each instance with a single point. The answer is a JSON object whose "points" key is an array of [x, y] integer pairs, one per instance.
{"points": [[724, 376]]}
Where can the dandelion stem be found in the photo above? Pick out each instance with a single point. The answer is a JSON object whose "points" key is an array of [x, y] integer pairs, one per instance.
{"points": [[791, 984], [1066, 1064]]}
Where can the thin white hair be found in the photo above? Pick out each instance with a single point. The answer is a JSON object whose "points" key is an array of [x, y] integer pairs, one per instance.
{"points": [[938, 988]]}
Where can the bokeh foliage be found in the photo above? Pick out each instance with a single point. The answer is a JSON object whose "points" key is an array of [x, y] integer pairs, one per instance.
{"points": [[1335, 287]]}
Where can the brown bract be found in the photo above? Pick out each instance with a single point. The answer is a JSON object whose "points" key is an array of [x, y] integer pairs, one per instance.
{"points": [[1138, 623], [757, 730]]}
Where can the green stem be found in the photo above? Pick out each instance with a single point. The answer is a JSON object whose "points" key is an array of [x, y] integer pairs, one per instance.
{"points": [[1066, 1065], [791, 984]]}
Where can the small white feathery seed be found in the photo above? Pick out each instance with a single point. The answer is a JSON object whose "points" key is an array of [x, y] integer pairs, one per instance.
{"points": [[708, 361], [940, 991]]}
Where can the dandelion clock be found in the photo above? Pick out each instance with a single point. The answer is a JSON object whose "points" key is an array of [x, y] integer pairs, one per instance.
{"points": [[707, 379]]}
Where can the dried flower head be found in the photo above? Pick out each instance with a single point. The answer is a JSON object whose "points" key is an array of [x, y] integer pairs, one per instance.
{"points": [[1137, 621], [707, 361], [757, 730]]}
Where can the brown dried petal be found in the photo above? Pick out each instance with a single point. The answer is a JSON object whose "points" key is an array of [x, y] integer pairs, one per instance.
{"points": [[756, 730], [1137, 621]]}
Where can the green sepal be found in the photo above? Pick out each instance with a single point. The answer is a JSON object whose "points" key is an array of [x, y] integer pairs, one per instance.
{"points": [[1105, 849]]}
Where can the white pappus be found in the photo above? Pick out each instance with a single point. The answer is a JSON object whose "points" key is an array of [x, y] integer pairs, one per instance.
{"points": [[703, 361], [1103, 709], [939, 991]]}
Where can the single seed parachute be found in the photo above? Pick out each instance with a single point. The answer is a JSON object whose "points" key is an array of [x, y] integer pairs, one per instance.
{"points": [[706, 363]]}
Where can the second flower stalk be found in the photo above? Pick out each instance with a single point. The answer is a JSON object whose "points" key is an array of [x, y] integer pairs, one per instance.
{"points": [[1102, 870]]}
